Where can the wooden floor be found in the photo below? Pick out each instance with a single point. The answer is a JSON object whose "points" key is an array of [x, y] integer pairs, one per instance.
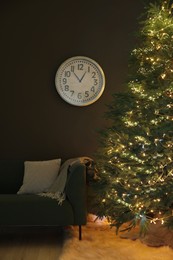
{"points": [[31, 243]]}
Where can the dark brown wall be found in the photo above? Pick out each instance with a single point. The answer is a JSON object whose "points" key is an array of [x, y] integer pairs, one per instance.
{"points": [[36, 37]]}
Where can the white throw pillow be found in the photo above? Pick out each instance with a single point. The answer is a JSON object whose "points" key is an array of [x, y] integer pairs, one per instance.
{"points": [[39, 176]]}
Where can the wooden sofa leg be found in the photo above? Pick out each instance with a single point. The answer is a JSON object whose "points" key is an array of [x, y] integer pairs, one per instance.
{"points": [[80, 232]]}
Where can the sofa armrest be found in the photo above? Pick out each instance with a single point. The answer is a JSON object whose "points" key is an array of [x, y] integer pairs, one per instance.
{"points": [[76, 192]]}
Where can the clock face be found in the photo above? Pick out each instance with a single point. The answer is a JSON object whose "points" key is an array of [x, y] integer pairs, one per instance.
{"points": [[80, 81]]}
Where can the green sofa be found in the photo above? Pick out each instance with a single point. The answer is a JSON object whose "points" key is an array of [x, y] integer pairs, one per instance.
{"points": [[35, 210]]}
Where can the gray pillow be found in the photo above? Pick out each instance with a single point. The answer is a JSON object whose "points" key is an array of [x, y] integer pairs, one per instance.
{"points": [[39, 176]]}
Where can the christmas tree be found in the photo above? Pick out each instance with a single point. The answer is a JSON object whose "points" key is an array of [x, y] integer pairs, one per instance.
{"points": [[135, 157]]}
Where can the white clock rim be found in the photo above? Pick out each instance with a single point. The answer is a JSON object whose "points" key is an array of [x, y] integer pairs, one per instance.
{"points": [[64, 64]]}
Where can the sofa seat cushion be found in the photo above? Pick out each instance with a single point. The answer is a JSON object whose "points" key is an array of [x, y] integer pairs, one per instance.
{"points": [[34, 210]]}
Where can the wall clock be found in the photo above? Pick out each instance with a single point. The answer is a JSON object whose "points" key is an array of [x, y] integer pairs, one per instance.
{"points": [[80, 81]]}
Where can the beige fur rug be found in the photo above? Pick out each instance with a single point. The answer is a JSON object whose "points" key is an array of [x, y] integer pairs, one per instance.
{"points": [[99, 241]]}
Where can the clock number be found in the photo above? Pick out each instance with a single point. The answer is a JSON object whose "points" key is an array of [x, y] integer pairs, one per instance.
{"points": [[86, 93], [66, 88], [93, 89], [79, 95], [88, 69], [72, 68], [67, 73], [72, 92], [95, 82], [93, 74], [64, 80], [80, 66]]}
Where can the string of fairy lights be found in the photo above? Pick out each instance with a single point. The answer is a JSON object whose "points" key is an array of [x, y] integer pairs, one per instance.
{"points": [[159, 33]]}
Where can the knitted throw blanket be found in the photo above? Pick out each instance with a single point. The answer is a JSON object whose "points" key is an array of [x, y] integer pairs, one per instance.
{"points": [[56, 191]]}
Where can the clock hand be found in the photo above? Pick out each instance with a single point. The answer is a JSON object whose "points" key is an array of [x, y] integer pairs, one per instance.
{"points": [[76, 76], [82, 77]]}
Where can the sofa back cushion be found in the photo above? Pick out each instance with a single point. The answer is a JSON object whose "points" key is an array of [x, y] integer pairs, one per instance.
{"points": [[11, 176]]}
